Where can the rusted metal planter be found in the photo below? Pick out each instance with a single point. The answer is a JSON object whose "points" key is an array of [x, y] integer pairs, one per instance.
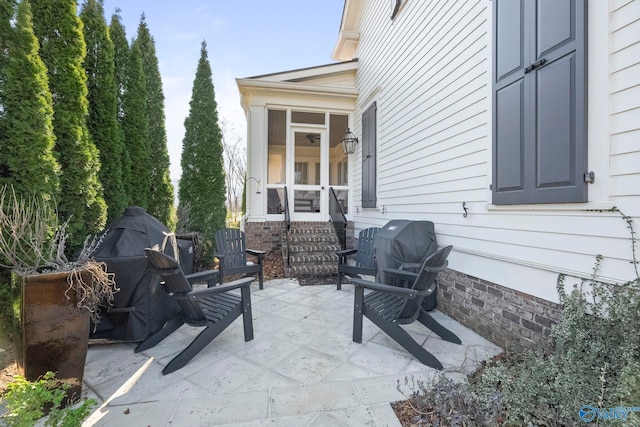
{"points": [[51, 332]]}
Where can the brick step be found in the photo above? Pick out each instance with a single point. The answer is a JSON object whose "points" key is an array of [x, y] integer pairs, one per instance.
{"points": [[310, 248], [314, 258], [311, 270], [313, 230], [312, 238]]}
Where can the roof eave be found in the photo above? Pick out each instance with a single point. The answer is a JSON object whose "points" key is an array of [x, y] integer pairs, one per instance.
{"points": [[349, 35]]}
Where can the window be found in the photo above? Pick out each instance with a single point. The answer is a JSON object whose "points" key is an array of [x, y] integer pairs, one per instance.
{"points": [[369, 157], [539, 99], [301, 173], [337, 159], [309, 118], [343, 173], [276, 146]]}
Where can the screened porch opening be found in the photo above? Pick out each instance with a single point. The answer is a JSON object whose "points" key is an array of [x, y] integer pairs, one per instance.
{"points": [[307, 156]]}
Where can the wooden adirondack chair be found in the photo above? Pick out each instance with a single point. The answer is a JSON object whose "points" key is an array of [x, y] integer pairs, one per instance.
{"points": [[365, 263], [232, 252], [391, 306], [213, 308]]}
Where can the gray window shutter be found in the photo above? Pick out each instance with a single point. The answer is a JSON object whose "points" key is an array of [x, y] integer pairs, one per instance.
{"points": [[539, 139], [369, 157]]}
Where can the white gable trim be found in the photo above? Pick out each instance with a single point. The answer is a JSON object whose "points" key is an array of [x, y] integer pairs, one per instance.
{"points": [[349, 35], [307, 73]]}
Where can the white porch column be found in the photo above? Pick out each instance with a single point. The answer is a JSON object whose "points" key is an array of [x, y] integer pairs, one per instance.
{"points": [[256, 162]]}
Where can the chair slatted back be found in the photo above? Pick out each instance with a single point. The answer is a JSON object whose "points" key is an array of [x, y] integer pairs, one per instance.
{"points": [[426, 281], [231, 243], [169, 270], [364, 256]]}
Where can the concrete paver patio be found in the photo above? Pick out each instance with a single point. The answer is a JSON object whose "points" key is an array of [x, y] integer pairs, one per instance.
{"points": [[302, 368]]}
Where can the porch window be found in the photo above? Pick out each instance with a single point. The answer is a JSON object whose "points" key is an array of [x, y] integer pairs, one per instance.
{"points": [[343, 172], [277, 160], [338, 161], [307, 118], [276, 141], [539, 99], [301, 173]]}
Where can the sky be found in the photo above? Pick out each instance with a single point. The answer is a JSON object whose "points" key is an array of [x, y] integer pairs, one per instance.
{"points": [[244, 38]]}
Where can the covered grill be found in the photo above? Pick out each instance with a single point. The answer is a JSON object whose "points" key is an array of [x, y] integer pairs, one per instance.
{"points": [[140, 307], [404, 244]]}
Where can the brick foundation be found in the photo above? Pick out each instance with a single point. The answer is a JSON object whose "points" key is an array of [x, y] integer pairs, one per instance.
{"points": [[264, 236], [504, 316]]}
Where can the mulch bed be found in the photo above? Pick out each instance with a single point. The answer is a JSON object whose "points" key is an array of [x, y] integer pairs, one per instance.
{"points": [[273, 268], [272, 265], [406, 414]]}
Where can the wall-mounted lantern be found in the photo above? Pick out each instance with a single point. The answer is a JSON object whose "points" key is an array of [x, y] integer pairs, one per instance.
{"points": [[257, 182], [349, 142]]}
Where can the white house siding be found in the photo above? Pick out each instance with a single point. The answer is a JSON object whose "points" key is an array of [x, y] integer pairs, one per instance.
{"points": [[625, 102], [429, 71]]}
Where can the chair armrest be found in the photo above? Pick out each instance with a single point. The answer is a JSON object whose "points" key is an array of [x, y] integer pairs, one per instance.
{"points": [[409, 266], [203, 276], [343, 254], [346, 252], [203, 293], [394, 290], [256, 253], [405, 275], [437, 269]]}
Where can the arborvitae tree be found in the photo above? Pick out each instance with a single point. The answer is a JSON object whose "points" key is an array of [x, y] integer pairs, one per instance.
{"points": [[160, 203], [202, 186], [121, 61], [103, 108], [7, 11], [135, 126], [62, 48], [26, 154]]}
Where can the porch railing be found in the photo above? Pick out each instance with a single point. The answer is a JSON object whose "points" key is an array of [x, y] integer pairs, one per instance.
{"points": [[287, 224], [338, 218]]}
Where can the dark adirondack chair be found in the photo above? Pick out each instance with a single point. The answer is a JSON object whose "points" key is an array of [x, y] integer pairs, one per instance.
{"points": [[391, 306], [213, 308], [365, 263], [232, 252]]}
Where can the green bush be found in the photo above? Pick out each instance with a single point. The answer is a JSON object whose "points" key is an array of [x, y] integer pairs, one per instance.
{"points": [[596, 360], [27, 402], [441, 401]]}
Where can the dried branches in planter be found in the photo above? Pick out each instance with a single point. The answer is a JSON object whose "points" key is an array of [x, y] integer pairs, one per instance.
{"points": [[90, 280], [33, 242], [27, 232]]}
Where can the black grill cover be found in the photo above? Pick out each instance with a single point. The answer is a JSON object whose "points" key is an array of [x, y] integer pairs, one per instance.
{"points": [[140, 307], [403, 242]]}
